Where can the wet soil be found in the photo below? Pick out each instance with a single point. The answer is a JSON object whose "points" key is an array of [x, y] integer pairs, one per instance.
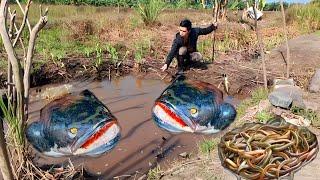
{"points": [[142, 146]]}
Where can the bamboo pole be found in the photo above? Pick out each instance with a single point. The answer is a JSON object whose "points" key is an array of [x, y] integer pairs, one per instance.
{"points": [[288, 61], [215, 15], [261, 47]]}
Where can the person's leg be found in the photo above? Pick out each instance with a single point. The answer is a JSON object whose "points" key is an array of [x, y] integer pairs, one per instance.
{"points": [[181, 56]]}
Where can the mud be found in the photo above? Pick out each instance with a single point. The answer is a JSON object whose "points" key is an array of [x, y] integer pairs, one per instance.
{"points": [[143, 145]]}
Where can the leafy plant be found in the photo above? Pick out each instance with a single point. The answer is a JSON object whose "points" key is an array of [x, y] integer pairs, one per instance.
{"points": [[98, 60], [16, 130], [114, 56], [256, 96], [208, 145], [149, 10], [263, 116], [143, 47], [309, 114], [155, 173]]}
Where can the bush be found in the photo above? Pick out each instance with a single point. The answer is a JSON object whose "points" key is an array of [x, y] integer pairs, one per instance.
{"points": [[149, 10]]}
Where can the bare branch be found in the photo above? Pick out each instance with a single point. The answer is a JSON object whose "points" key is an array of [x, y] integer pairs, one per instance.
{"points": [[12, 23], [16, 67], [25, 12], [16, 28], [260, 44], [33, 35], [288, 62], [28, 23]]}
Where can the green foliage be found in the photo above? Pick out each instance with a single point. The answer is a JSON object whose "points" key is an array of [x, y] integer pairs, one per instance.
{"points": [[155, 173], [98, 53], [208, 145], [51, 44], [143, 47], [263, 116], [205, 48], [149, 10], [306, 16], [256, 96], [124, 3], [262, 4], [16, 130], [114, 55], [234, 5], [275, 6], [309, 114]]}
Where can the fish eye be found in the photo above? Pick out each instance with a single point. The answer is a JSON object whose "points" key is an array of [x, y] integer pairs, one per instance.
{"points": [[193, 112], [73, 132]]}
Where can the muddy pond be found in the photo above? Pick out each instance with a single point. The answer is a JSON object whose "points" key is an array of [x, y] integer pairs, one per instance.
{"points": [[142, 145]]}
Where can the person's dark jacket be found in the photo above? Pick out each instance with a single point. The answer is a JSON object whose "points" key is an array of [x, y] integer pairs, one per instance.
{"points": [[192, 42]]}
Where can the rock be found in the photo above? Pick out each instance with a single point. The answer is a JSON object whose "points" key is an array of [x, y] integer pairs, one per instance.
{"points": [[282, 83], [184, 155], [286, 96], [314, 85], [299, 103]]}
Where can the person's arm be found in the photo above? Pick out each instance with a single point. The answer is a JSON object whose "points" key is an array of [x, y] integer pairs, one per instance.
{"points": [[172, 53], [207, 30]]}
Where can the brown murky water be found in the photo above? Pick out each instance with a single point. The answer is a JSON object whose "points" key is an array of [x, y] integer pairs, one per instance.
{"points": [[143, 145]]}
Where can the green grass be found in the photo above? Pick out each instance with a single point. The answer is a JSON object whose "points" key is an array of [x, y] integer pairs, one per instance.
{"points": [[16, 131], [149, 10], [256, 96], [208, 145], [309, 114], [318, 33], [155, 173], [306, 16], [263, 116]]}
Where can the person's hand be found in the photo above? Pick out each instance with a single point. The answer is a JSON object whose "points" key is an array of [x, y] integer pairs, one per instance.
{"points": [[164, 67]]}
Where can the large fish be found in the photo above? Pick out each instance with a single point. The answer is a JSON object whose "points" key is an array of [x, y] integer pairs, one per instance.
{"points": [[192, 106], [76, 124]]}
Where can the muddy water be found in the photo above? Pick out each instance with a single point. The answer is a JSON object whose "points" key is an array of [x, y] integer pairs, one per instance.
{"points": [[143, 145]]}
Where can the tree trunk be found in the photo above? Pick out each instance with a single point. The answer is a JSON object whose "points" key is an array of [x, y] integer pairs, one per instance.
{"points": [[286, 37], [261, 47], [5, 165], [16, 66]]}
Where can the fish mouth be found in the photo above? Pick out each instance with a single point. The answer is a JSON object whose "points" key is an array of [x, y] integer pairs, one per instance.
{"points": [[102, 138], [167, 117]]}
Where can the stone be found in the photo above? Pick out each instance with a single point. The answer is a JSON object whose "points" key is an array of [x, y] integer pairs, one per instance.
{"points": [[314, 85], [286, 96], [283, 83]]}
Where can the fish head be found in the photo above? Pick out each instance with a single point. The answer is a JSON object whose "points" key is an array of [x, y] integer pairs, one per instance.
{"points": [[74, 125], [184, 106]]}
